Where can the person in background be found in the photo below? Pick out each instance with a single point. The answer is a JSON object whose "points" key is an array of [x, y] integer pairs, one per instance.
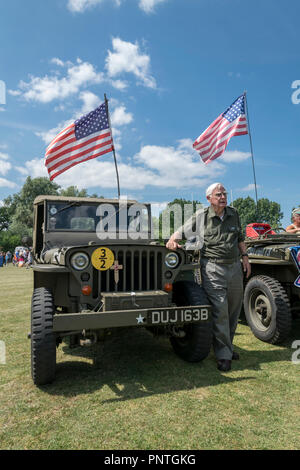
{"points": [[29, 260], [295, 226], [7, 258]]}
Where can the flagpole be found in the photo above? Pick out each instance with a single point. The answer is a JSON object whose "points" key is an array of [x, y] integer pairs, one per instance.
{"points": [[113, 148], [246, 105]]}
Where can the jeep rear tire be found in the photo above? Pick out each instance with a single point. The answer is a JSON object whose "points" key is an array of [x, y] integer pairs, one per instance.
{"points": [[267, 309], [43, 340], [195, 344]]}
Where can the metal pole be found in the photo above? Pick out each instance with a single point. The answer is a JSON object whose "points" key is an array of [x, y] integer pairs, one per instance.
{"points": [[246, 106], [113, 147]]}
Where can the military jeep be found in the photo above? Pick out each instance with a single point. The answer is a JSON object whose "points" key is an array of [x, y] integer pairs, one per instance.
{"points": [[97, 268], [272, 294]]}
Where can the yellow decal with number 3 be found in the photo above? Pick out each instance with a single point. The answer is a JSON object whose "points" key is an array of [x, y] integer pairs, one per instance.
{"points": [[102, 258]]}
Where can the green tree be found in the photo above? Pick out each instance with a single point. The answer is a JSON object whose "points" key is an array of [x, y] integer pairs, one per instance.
{"points": [[22, 202], [8, 240], [73, 191], [266, 211], [5, 217], [16, 214]]}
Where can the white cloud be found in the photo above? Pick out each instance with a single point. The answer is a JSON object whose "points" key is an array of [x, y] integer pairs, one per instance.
{"points": [[250, 187], [101, 173], [149, 5], [4, 183], [90, 101], [119, 84], [22, 170], [127, 58], [5, 165], [157, 166], [57, 61], [14, 92], [35, 168], [235, 156], [81, 5], [120, 116], [177, 166], [78, 6], [49, 88]]}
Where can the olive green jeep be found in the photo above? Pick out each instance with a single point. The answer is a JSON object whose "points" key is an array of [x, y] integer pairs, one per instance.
{"points": [[272, 294], [98, 268]]}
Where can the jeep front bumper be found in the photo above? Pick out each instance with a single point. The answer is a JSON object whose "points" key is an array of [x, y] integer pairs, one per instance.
{"points": [[160, 316]]}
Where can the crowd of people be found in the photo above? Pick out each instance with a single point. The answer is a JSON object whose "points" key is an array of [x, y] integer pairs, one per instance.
{"points": [[20, 258]]}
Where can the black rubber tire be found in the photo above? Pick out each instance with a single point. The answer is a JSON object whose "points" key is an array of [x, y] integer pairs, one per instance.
{"points": [[267, 309], [195, 345], [43, 340]]}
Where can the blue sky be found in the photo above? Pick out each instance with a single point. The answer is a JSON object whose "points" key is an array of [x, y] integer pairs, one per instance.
{"points": [[169, 68]]}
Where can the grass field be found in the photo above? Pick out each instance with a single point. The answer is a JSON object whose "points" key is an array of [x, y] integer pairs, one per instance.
{"points": [[141, 396]]}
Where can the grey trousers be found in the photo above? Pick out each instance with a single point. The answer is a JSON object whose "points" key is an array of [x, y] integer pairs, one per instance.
{"points": [[223, 284]]}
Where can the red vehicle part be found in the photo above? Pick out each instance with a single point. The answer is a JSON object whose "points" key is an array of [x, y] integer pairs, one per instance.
{"points": [[256, 230]]}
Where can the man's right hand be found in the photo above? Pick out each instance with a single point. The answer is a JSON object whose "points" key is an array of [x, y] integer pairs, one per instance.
{"points": [[172, 244]]}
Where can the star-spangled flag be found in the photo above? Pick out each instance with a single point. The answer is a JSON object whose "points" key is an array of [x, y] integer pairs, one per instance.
{"points": [[213, 141], [87, 138]]}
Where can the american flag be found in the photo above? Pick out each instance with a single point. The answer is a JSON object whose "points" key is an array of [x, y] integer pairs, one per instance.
{"points": [[213, 141], [87, 138]]}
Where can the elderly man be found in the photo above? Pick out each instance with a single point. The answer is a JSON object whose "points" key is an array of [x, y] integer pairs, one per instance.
{"points": [[295, 226], [221, 271]]}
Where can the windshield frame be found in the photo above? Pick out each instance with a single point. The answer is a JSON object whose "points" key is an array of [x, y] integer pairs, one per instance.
{"points": [[63, 207]]}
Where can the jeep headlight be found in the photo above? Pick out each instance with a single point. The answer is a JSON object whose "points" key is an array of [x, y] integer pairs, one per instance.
{"points": [[80, 261], [172, 260]]}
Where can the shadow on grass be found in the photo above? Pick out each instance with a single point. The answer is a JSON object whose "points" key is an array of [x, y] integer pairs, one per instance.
{"points": [[134, 364]]}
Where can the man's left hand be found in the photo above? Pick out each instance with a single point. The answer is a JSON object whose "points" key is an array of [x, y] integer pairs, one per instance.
{"points": [[246, 266]]}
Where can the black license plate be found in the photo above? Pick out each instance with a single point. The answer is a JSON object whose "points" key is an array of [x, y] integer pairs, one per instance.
{"points": [[165, 316]]}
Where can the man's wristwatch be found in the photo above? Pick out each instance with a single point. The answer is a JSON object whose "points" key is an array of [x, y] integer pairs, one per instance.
{"points": [[245, 254]]}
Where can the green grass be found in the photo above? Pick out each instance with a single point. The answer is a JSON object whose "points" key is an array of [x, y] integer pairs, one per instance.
{"points": [[140, 395]]}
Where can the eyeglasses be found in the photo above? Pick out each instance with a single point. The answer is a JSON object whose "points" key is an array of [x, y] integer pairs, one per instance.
{"points": [[221, 194]]}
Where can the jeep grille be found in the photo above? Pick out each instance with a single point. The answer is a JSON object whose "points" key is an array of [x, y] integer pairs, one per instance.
{"points": [[142, 270]]}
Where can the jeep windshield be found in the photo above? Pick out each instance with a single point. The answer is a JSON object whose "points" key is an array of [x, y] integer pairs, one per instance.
{"points": [[85, 217]]}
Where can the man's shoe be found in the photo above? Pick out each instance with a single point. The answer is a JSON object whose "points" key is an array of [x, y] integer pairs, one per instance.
{"points": [[224, 365], [235, 356]]}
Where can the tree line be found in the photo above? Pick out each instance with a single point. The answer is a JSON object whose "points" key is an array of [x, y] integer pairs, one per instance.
{"points": [[16, 213], [265, 211]]}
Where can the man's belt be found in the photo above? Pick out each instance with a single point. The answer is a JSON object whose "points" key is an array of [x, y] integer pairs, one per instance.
{"points": [[221, 260]]}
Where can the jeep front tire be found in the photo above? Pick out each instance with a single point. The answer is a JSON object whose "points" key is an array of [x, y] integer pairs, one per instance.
{"points": [[43, 340]]}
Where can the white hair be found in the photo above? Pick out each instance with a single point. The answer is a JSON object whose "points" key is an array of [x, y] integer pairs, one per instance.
{"points": [[212, 187]]}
